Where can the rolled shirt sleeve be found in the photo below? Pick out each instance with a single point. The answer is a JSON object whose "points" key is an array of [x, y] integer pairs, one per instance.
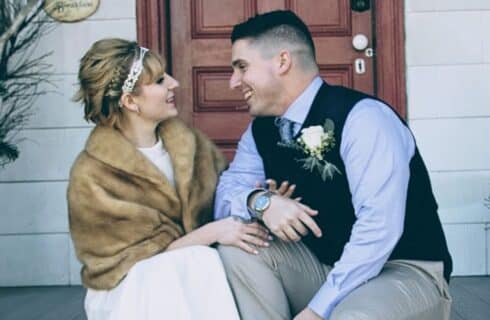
{"points": [[376, 149]]}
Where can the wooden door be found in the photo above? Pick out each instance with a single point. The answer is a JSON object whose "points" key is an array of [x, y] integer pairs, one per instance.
{"points": [[199, 50]]}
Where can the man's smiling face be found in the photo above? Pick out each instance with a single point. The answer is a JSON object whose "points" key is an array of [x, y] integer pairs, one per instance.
{"points": [[255, 76]]}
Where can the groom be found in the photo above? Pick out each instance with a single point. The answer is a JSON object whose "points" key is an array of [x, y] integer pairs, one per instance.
{"points": [[365, 242]]}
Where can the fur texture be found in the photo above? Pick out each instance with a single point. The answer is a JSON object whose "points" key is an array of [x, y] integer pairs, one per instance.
{"points": [[122, 208]]}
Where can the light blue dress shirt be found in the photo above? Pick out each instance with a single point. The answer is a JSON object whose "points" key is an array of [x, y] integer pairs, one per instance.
{"points": [[376, 149]]}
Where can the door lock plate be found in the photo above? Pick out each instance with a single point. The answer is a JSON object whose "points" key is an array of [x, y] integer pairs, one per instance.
{"points": [[360, 66]]}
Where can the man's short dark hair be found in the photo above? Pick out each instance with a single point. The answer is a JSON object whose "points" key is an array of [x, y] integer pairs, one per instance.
{"points": [[279, 25]]}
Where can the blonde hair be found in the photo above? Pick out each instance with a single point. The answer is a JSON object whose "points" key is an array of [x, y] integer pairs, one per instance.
{"points": [[103, 69]]}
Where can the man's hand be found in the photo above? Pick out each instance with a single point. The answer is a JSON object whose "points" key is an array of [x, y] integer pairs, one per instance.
{"points": [[289, 219], [307, 314], [285, 189]]}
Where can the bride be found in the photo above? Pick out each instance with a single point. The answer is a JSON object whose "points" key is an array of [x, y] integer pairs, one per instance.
{"points": [[140, 197]]}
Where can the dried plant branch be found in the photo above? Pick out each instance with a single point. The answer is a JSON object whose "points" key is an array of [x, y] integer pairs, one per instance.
{"points": [[23, 74], [19, 22]]}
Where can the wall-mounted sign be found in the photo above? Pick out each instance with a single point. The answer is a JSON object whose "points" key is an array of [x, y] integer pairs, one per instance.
{"points": [[70, 10]]}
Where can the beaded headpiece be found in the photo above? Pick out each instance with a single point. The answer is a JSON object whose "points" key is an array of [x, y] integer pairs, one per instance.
{"points": [[134, 72]]}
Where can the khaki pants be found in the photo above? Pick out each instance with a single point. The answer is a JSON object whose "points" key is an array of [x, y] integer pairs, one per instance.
{"points": [[280, 282]]}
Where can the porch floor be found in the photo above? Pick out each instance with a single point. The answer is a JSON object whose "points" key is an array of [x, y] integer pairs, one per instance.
{"points": [[471, 301]]}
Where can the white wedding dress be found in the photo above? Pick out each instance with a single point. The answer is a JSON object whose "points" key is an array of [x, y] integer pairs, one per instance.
{"points": [[182, 284]]}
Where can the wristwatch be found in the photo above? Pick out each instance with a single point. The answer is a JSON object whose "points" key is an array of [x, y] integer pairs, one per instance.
{"points": [[261, 203]]}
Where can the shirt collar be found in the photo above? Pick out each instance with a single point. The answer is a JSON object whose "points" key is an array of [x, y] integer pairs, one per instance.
{"points": [[301, 106]]}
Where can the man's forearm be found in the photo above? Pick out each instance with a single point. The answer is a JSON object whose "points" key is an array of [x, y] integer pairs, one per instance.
{"points": [[239, 180], [232, 200]]}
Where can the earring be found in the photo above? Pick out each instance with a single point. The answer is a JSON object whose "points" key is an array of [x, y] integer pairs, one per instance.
{"points": [[137, 109]]}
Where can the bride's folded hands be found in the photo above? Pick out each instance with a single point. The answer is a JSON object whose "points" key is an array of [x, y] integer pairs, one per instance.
{"points": [[233, 231]]}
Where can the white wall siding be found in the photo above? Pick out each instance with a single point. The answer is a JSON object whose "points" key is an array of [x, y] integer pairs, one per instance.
{"points": [[487, 233], [34, 241], [75, 266], [486, 39], [446, 5], [46, 154], [444, 38], [70, 41], [461, 195], [454, 144], [453, 91], [115, 9], [462, 237], [56, 109], [29, 208], [34, 259], [448, 59]]}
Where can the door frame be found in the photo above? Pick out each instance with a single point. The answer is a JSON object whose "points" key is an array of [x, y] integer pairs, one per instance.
{"points": [[153, 25]]}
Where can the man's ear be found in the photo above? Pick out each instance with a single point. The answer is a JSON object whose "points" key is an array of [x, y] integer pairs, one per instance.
{"points": [[284, 62], [128, 102]]}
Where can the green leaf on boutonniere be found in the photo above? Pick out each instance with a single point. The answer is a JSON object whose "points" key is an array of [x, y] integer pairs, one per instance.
{"points": [[309, 163], [328, 125], [328, 170]]}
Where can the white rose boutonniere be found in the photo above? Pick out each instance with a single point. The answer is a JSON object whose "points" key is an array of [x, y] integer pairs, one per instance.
{"points": [[314, 142]]}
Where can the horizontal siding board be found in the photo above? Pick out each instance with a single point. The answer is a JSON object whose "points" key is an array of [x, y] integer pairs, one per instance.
{"points": [[453, 144], [444, 38], [115, 9], [467, 246], [56, 108], [461, 196], [45, 154], [33, 207], [445, 5], [34, 260], [75, 266], [486, 40], [69, 41], [448, 91], [487, 235]]}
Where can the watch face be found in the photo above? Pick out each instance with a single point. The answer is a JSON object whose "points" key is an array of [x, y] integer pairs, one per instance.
{"points": [[262, 202]]}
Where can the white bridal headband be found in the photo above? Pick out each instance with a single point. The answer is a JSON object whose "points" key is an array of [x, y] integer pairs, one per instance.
{"points": [[134, 72]]}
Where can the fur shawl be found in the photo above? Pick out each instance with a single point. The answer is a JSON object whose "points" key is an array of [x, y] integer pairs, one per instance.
{"points": [[122, 209]]}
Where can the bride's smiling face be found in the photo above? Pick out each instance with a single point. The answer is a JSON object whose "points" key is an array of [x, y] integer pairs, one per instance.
{"points": [[157, 99]]}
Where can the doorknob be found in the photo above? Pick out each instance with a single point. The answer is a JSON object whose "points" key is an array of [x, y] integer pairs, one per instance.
{"points": [[360, 42]]}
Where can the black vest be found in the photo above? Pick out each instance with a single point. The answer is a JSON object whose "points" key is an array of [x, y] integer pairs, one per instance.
{"points": [[422, 238]]}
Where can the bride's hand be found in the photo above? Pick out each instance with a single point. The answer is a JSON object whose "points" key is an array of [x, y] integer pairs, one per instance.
{"points": [[233, 231]]}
